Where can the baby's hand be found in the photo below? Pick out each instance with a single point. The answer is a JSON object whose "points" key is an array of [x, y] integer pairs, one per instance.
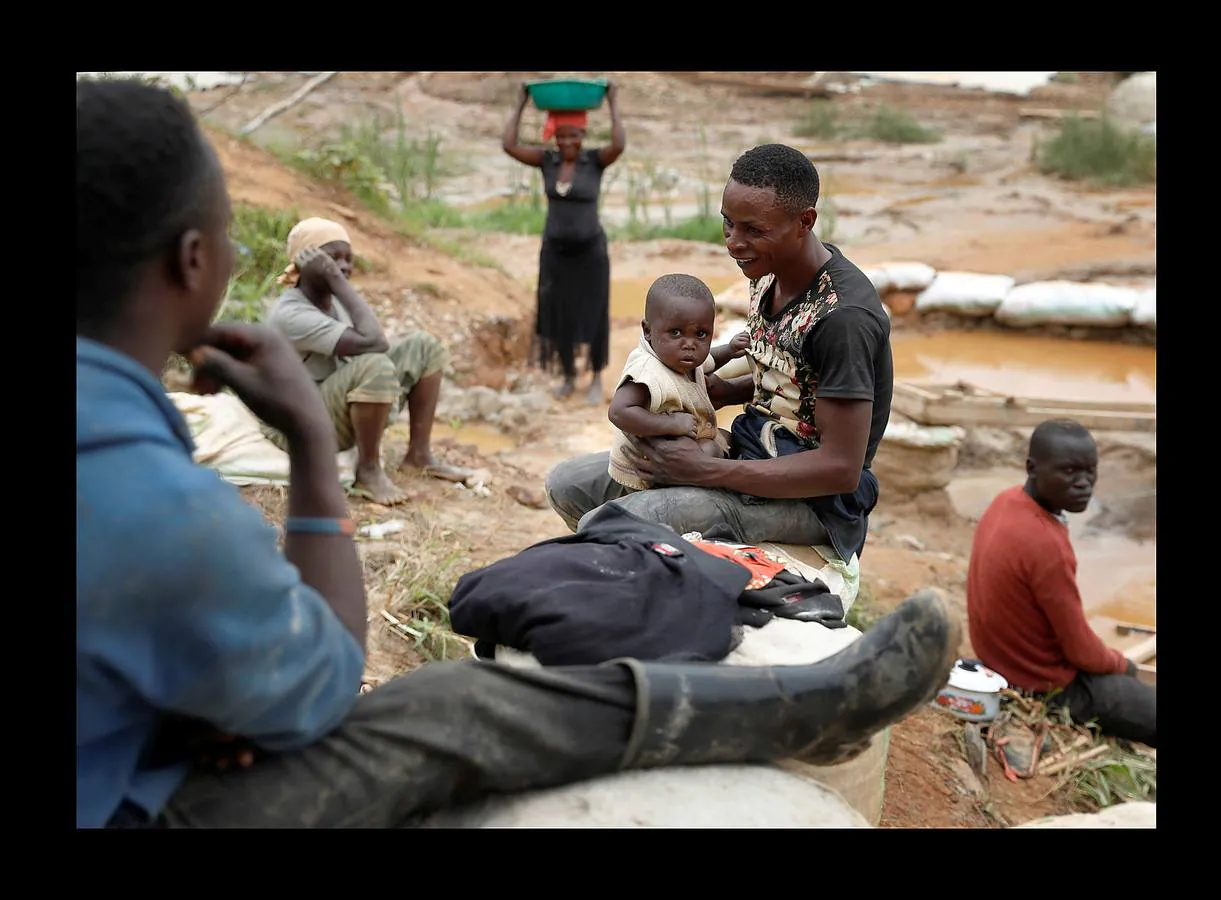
{"points": [[738, 345], [684, 424]]}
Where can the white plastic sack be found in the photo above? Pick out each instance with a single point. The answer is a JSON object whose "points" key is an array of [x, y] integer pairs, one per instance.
{"points": [[1067, 303], [228, 438], [1145, 311], [880, 279], [908, 276], [913, 434], [965, 293], [728, 796]]}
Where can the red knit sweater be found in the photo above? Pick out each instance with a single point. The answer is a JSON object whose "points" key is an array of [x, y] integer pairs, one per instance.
{"points": [[1024, 611]]}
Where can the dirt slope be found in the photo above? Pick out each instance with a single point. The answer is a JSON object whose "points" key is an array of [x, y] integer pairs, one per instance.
{"points": [[411, 284]]}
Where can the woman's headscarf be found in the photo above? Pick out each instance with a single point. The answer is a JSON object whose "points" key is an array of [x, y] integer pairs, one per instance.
{"points": [[579, 118], [307, 233]]}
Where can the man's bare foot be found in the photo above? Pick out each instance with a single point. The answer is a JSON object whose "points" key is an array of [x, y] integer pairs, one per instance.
{"points": [[429, 466], [564, 391], [594, 395], [377, 484]]}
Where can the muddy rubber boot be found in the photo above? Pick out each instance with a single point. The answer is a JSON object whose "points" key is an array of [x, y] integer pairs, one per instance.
{"points": [[825, 713]]}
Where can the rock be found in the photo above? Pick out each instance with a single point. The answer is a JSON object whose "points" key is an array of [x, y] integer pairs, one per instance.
{"points": [[534, 401], [968, 782], [486, 401], [988, 447], [1137, 814], [976, 749], [478, 478], [1133, 102], [527, 496], [910, 541]]}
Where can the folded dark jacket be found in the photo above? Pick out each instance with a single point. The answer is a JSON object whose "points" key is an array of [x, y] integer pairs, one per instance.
{"points": [[620, 587]]}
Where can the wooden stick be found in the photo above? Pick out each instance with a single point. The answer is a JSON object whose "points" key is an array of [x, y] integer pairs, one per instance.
{"points": [[1074, 760], [1144, 651], [276, 108]]}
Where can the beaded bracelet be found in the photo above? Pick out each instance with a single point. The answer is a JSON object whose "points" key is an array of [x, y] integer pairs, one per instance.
{"points": [[303, 525]]}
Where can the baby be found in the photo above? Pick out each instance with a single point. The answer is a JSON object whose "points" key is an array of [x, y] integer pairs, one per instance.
{"points": [[662, 389]]}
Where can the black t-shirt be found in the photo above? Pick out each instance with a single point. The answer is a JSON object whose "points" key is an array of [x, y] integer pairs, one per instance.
{"points": [[849, 348], [573, 217]]}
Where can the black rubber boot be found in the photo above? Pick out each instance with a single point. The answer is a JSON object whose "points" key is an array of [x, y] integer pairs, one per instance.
{"points": [[825, 713]]}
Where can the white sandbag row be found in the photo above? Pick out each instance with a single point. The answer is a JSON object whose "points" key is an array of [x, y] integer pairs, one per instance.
{"points": [[979, 295]]}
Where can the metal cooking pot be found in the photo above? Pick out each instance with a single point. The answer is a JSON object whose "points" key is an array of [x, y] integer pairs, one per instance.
{"points": [[973, 692]]}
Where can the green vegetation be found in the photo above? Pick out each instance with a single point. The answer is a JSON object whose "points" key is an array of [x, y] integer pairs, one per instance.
{"points": [[259, 236], [883, 123], [416, 589], [1100, 153], [397, 176], [864, 613]]}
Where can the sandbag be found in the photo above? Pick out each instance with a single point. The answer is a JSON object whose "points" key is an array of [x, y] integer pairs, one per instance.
{"points": [[964, 293], [879, 278], [907, 276], [1067, 303], [229, 439], [1144, 313], [914, 458], [729, 796]]}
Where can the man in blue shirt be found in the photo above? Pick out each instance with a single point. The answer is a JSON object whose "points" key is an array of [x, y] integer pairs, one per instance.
{"points": [[218, 677]]}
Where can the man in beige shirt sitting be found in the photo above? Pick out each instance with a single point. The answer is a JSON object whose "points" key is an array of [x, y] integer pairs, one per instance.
{"points": [[364, 379]]}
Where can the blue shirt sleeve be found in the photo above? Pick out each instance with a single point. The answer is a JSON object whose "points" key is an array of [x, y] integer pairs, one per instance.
{"points": [[188, 598]]}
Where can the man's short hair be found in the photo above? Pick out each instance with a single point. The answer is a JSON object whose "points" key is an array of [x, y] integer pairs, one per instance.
{"points": [[786, 170]]}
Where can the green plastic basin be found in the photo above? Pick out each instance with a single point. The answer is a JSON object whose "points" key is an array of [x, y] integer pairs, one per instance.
{"points": [[559, 95]]}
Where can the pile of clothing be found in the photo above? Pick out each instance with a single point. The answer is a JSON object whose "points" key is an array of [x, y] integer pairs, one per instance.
{"points": [[626, 587]]}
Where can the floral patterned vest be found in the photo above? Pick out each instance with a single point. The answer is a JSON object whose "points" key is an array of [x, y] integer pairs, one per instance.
{"points": [[784, 381]]}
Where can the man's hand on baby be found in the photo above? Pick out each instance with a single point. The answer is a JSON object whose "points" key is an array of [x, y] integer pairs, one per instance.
{"points": [[665, 461]]}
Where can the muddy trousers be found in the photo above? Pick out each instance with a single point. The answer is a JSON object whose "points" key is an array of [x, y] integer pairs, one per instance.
{"points": [[440, 736], [578, 486], [1123, 706]]}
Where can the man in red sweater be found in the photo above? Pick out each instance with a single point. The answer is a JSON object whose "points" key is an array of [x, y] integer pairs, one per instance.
{"points": [[1023, 607]]}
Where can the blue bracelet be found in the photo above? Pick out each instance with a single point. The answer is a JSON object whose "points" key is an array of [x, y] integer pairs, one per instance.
{"points": [[319, 526]]}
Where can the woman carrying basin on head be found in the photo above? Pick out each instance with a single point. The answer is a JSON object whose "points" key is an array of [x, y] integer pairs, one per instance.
{"points": [[574, 263]]}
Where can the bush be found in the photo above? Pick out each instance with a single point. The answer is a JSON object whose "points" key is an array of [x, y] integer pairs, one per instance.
{"points": [[1099, 152]]}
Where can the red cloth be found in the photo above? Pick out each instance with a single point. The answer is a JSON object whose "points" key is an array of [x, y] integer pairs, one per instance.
{"points": [[1023, 607], [579, 118], [762, 569]]}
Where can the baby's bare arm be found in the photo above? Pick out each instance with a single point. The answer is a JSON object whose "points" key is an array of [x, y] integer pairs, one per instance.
{"points": [[629, 412]]}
